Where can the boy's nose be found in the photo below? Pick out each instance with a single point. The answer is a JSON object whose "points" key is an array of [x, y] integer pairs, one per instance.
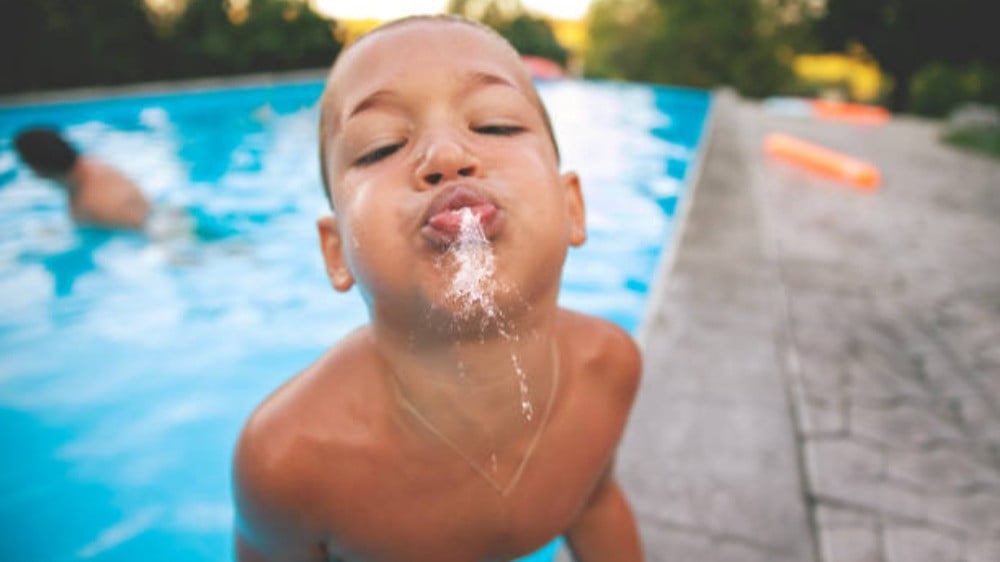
{"points": [[445, 159]]}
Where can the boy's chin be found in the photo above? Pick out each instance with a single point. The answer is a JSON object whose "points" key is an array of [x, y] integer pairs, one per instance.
{"points": [[493, 315]]}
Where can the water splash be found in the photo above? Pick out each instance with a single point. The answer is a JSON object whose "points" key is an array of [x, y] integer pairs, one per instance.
{"points": [[473, 285]]}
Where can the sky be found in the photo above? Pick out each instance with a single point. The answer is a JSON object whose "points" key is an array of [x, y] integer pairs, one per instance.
{"points": [[390, 9]]}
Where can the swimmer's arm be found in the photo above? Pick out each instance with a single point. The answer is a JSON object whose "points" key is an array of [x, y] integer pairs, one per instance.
{"points": [[606, 530]]}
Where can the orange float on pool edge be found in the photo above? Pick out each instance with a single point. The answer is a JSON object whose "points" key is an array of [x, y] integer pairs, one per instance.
{"points": [[823, 160], [850, 112]]}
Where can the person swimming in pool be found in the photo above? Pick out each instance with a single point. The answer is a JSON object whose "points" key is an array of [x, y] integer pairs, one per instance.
{"points": [[472, 419], [99, 195]]}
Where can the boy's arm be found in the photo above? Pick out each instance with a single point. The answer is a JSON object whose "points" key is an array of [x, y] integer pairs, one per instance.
{"points": [[606, 530]]}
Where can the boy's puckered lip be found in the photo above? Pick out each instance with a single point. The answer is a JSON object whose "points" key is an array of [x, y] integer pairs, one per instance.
{"points": [[441, 229]]}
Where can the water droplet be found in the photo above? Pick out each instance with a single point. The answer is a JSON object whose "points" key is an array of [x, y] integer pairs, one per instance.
{"points": [[527, 410]]}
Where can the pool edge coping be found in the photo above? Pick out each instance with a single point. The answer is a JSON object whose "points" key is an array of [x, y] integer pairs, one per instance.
{"points": [[88, 93], [668, 257]]}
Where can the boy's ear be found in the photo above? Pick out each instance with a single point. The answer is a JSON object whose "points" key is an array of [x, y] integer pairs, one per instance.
{"points": [[331, 244], [575, 208]]}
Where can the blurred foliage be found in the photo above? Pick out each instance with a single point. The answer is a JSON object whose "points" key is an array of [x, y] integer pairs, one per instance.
{"points": [[938, 53], [939, 88], [529, 34], [60, 43], [265, 35], [623, 40], [905, 36], [747, 44], [68, 43], [979, 139]]}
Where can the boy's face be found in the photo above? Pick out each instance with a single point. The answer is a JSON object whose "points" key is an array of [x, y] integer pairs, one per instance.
{"points": [[419, 121]]}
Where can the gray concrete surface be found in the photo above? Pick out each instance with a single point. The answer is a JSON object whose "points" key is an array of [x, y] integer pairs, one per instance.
{"points": [[822, 363]]}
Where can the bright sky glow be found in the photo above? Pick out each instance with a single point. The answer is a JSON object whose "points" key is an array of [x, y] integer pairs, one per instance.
{"points": [[391, 9]]}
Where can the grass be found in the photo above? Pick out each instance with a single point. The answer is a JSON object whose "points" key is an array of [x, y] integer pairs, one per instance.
{"points": [[979, 139]]}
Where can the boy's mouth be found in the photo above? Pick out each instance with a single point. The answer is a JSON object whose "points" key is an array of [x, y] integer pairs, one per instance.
{"points": [[442, 223]]}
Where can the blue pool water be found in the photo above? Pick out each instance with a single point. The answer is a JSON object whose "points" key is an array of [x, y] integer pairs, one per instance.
{"points": [[127, 366]]}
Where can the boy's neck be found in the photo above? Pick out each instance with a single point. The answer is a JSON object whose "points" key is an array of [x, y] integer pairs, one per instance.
{"points": [[496, 382]]}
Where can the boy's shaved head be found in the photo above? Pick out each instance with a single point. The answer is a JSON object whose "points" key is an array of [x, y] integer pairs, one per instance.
{"points": [[432, 18], [328, 119]]}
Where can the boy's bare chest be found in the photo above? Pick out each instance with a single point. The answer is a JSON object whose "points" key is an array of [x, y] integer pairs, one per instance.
{"points": [[438, 507]]}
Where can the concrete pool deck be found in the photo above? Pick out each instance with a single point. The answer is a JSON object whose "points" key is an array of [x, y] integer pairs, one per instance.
{"points": [[823, 364]]}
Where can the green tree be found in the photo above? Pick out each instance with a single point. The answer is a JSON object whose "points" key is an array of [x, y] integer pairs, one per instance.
{"points": [[747, 44], [623, 39], [210, 38], [529, 34], [66, 43], [907, 35], [938, 88], [490, 12]]}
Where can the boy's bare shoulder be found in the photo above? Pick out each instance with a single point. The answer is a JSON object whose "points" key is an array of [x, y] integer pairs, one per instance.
{"points": [[602, 351], [302, 430]]}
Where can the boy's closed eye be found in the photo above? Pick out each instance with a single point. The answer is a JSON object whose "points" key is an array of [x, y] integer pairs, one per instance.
{"points": [[385, 151], [500, 130], [379, 153]]}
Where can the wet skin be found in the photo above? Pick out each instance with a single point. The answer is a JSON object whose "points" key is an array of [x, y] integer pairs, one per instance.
{"points": [[419, 121], [100, 195]]}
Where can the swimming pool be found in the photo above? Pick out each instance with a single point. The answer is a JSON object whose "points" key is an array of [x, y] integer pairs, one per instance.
{"points": [[128, 366]]}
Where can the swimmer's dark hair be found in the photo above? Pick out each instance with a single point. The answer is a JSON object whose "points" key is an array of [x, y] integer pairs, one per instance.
{"points": [[439, 18], [45, 151]]}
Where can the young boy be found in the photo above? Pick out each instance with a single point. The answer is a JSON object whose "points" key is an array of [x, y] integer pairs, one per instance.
{"points": [[99, 195], [472, 419]]}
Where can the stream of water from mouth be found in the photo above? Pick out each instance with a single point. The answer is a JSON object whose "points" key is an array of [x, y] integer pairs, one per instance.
{"points": [[474, 286]]}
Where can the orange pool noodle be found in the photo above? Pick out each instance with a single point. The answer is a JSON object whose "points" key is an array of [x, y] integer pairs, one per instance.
{"points": [[851, 112], [823, 160]]}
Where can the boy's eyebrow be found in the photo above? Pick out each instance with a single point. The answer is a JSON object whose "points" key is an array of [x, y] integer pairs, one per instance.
{"points": [[476, 80], [369, 102], [481, 79]]}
